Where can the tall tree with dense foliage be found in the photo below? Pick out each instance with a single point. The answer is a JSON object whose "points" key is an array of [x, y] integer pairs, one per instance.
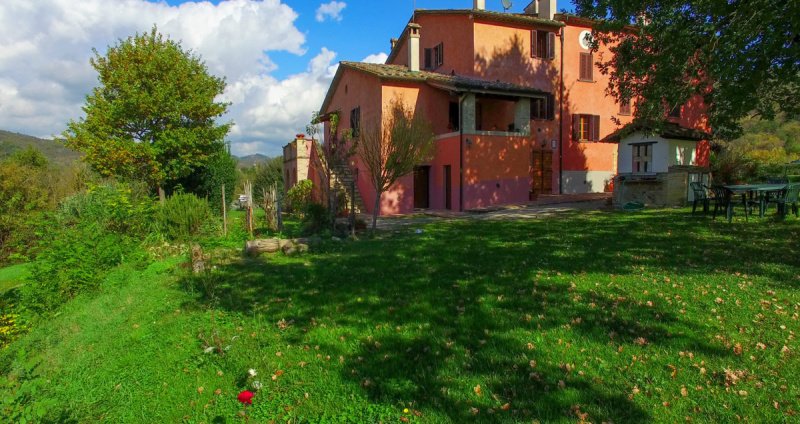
{"points": [[740, 56], [392, 148], [153, 115]]}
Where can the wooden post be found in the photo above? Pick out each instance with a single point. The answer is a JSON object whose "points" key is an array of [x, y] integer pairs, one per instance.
{"points": [[224, 213], [278, 211], [162, 196], [353, 207], [248, 192]]}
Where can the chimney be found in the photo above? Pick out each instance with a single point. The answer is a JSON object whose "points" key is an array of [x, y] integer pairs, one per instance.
{"points": [[393, 42], [532, 8], [413, 47], [479, 4], [547, 9]]}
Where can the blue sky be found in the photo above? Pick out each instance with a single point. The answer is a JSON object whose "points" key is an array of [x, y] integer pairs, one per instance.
{"points": [[277, 56], [365, 26]]}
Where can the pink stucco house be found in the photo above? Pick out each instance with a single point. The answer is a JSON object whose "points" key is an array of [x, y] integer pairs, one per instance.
{"points": [[517, 104]]}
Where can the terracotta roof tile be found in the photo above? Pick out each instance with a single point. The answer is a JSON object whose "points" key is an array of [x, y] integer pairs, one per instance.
{"points": [[455, 82]]}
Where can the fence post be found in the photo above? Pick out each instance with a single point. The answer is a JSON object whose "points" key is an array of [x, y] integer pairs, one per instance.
{"points": [[224, 213]]}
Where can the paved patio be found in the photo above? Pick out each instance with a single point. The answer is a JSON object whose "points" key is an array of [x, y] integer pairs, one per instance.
{"points": [[544, 206]]}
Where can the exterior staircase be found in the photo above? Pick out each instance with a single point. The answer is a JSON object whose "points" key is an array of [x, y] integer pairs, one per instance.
{"points": [[343, 179]]}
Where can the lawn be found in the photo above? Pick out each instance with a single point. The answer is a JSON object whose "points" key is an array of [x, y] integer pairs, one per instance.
{"points": [[13, 276], [652, 316]]}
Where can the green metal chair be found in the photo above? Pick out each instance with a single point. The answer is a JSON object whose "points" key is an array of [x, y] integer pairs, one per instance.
{"points": [[789, 199], [700, 196]]}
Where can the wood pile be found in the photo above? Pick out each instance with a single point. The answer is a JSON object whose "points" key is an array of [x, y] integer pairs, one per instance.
{"points": [[272, 245]]}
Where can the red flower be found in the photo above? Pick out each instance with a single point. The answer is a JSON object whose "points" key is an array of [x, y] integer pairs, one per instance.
{"points": [[246, 397]]}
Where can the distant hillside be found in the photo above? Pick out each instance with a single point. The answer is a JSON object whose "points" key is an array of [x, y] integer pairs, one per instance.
{"points": [[251, 160], [55, 152]]}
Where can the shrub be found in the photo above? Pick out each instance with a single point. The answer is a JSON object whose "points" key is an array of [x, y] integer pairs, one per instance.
{"points": [[299, 196], [315, 219], [90, 233], [183, 216], [11, 325], [22, 200], [117, 208], [76, 259]]}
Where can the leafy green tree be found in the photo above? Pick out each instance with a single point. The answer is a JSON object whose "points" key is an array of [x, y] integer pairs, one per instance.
{"points": [[267, 175], [220, 170], [739, 56], [30, 157], [153, 115]]}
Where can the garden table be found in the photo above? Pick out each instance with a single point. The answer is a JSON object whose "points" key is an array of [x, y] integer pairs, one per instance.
{"points": [[763, 191]]}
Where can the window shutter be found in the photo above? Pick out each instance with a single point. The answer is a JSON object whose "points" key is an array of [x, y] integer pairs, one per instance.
{"points": [[551, 45], [576, 127], [595, 128], [533, 44], [551, 107], [589, 67], [441, 54], [582, 71]]}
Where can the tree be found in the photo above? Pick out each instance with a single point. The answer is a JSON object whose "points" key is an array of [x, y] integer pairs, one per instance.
{"points": [[152, 117], [392, 148], [739, 56], [266, 175]]}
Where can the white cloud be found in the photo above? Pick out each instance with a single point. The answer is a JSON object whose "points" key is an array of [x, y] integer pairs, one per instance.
{"points": [[269, 111], [45, 47], [376, 58], [332, 10]]}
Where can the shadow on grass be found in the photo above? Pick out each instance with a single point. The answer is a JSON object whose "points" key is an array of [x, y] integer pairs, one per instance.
{"points": [[465, 303]]}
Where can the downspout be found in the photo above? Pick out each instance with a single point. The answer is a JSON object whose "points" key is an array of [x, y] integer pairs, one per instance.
{"points": [[561, 120], [461, 152]]}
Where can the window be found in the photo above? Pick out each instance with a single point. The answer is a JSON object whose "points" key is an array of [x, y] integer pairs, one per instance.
{"points": [[434, 57], [642, 157], [453, 117], [543, 44], [625, 108], [478, 116], [355, 121], [586, 127], [543, 107], [675, 112], [587, 67]]}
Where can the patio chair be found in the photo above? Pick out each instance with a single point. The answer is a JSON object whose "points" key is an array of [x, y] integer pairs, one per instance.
{"points": [[700, 196], [777, 180], [722, 200], [789, 199]]}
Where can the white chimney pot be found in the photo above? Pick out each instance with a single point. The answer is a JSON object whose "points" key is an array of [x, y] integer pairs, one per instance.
{"points": [[479, 4], [547, 9], [413, 47]]}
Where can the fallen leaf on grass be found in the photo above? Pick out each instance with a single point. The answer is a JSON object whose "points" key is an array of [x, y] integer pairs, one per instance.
{"points": [[477, 390]]}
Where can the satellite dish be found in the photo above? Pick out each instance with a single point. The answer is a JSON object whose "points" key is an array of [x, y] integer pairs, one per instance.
{"points": [[506, 5], [585, 39]]}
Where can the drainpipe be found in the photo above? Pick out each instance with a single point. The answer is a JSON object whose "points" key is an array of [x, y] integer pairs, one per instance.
{"points": [[461, 99], [561, 120]]}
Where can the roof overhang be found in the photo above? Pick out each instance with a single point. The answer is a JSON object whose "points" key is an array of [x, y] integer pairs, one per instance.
{"points": [[509, 93], [667, 130]]}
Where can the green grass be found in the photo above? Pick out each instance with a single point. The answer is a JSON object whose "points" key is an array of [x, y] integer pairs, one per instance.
{"points": [[623, 317], [12, 276]]}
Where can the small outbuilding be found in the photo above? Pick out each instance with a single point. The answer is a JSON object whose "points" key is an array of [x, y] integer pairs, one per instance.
{"points": [[655, 166]]}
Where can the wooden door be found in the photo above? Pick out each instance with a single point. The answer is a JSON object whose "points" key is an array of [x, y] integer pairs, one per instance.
{"points": [[421, 184], [542, 171]]}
